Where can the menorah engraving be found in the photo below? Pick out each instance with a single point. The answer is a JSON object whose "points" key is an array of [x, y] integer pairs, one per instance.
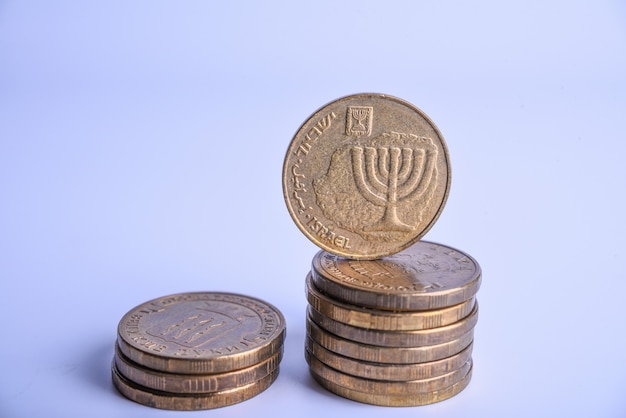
{"points": [[360, 115], [388, 176], [359, 120]]}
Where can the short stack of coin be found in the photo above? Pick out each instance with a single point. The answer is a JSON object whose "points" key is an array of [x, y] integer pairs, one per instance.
{"points": [[397, 331], [198, 350]]}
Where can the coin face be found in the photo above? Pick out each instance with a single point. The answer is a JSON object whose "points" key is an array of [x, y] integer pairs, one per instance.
{"points": [[201, 332], [366, 176], [424, 276]]}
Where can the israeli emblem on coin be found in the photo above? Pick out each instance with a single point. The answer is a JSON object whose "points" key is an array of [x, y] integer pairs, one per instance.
{"points": [[366, 176]]}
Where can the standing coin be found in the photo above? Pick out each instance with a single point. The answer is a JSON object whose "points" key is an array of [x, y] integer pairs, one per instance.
{"points": [[424, 276], [201, 332], [366, 176]]}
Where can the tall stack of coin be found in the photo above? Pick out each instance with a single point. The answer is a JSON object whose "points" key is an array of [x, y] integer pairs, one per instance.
{"points": [[390, 318], [198, 350], [393, 331]]}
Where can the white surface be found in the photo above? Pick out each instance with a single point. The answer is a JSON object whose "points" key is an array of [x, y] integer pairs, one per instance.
{"points": [[141, 149]]}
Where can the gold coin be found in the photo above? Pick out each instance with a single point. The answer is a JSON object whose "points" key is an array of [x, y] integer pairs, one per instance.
{"points": [[366, 176], [201, 332], [424, 276], [385, 320], [189, 383], [393, 355], [417, 399], [431, 336], [382, 387], [189, 402], [385, 371]]}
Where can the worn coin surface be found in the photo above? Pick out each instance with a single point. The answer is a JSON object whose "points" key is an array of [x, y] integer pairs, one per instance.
{"points": [[366, 176], [201, 332], [189, 402], [387, 371], [382, 387], [416, 399], [390, 355], [424, 276], [193, 383], [430, 336], [385, 320]]}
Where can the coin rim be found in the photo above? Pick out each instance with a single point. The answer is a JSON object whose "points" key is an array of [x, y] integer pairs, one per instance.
{"points": [[379, 354], [374, 255], [218, 364], [377, 298], [388, 371], [395, 400], [193, 383], [380, 387], [431, 336], [189, 402], [385, 320]]}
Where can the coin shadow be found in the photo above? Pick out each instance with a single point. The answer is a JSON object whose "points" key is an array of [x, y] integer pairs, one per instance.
{"points": [[294, 367], [95, 368]]}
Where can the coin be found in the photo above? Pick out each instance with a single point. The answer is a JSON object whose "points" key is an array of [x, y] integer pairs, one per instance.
{"points": [[424, 276], [395, 400], [366, 176], [385, 320], [201, 332], [393, 355], [189, 402], [386, 371], [431, 336], [190, 383], [382, 387]]}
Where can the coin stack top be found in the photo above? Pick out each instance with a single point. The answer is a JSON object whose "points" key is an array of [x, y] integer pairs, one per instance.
{"points": [[424, 276]]}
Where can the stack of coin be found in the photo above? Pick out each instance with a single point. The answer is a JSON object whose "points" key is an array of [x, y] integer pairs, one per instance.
{"points": [[390, 318], [397, 331], [198, 350]]}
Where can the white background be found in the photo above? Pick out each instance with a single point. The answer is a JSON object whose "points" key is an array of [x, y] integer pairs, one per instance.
{"points": [[141, 150]]}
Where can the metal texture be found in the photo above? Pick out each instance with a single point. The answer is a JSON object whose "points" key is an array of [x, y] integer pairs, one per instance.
{"points": [[424, 276], [389, 355], [417, 399], [382, 387], [385, 320], [201, 332], [189, 402], [431, 336], [366, 176], [190, 383], [387, 371]]}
